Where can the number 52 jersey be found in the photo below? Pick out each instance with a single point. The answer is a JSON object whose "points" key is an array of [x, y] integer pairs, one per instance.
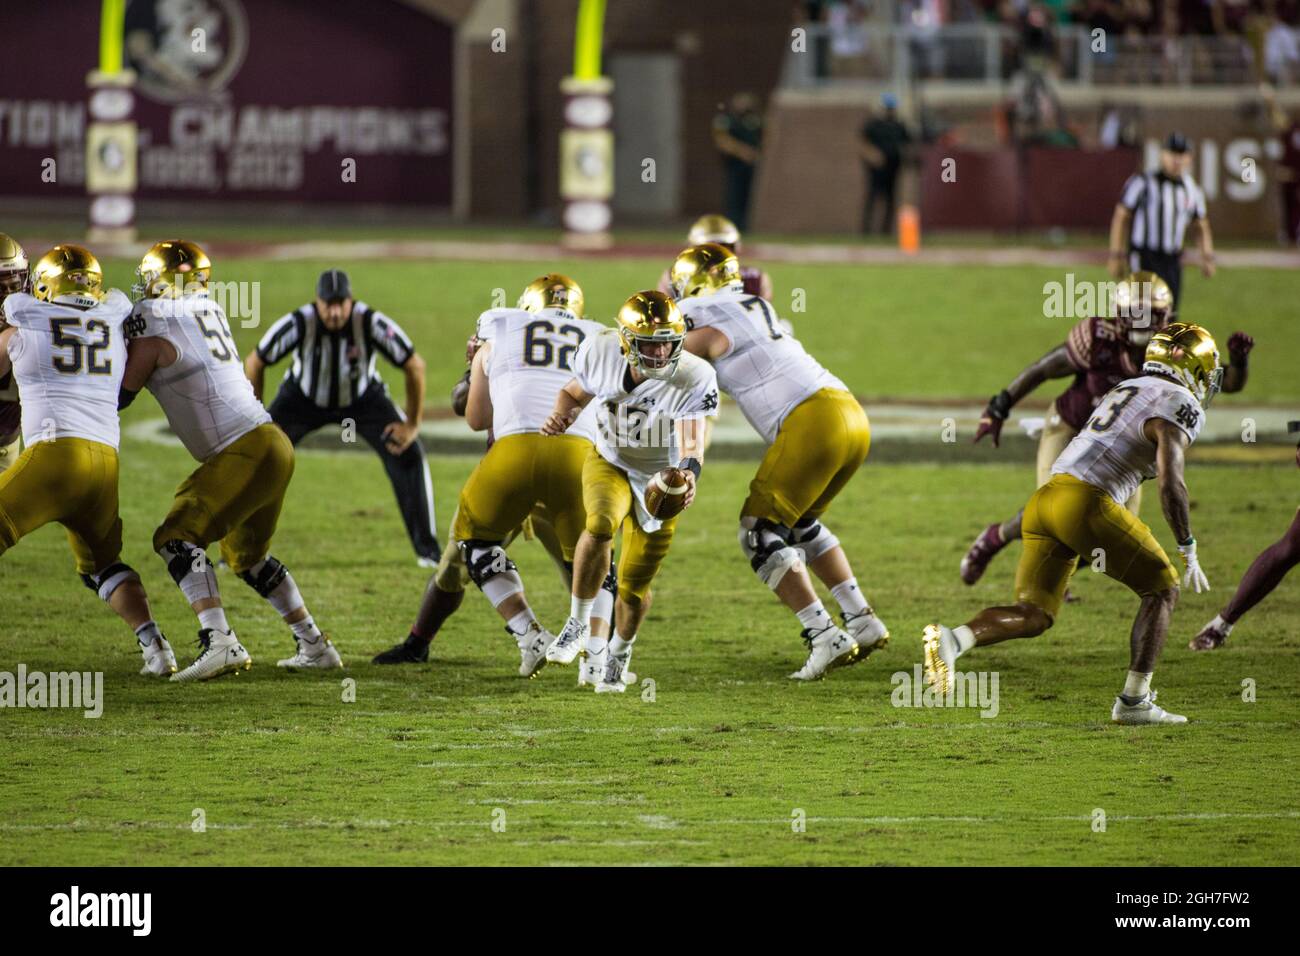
{"points": [[1111, 451], [68, 364], [207, 398]]}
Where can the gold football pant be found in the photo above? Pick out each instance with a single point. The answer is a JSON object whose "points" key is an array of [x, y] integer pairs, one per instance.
{"points": [[607, 496], [1056, 435], [234, 497], [9, 453], [517, 473], [452, 575], [819, 447], [72, 481], [1067, 518]]}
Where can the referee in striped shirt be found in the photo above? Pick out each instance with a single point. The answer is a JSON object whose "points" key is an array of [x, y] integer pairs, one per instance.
{"points": [[334, 342], [1151, 220]]}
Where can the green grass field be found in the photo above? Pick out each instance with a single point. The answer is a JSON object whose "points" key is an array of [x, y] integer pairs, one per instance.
{"points": [[461, 762]]}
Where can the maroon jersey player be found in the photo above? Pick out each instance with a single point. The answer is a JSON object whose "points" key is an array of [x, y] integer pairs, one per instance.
{"points": [[13, 278], [1098, 354], [720, 229]]}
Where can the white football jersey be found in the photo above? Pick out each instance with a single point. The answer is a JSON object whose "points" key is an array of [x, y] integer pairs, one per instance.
{"points": [[1111, 451], [208, 400], [634, 424], [765, 369], [68, 363], [531, 359]]}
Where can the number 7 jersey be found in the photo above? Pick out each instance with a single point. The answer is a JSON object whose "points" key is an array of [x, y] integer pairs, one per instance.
{"points": [[1112, 451], [208, 400], [68, 364]]}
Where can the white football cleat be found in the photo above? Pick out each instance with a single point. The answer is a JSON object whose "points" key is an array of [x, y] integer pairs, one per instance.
{"points": [[613, 680], [571, 640], [591, 668], [868, 630], [827, 649], [533, 645], [159, 661], [316, 654], [1144, 711], [940, 647], [222, 654]]}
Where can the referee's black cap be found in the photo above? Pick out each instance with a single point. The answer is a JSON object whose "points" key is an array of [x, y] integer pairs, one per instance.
{"points": [[333, 286], [1177, 143]]}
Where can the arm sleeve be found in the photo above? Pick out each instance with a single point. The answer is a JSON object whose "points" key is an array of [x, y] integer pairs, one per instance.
{"points": [[388, 338], [281, 338], [1133, 191], [1078, 345]]}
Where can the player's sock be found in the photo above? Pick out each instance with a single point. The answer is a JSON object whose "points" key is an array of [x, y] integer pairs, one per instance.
{"points": [[1219, 624], [596, 645], [850, 597], [147, 633], [306, 629], [520, 623], [814, 617], [964, 637], [214, 618], [191, 570], [619, 646], [1136, 686], [580, 609]]}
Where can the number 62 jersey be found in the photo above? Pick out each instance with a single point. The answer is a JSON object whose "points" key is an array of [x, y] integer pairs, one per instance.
{"points": [[207, 398], [1111, 451]]}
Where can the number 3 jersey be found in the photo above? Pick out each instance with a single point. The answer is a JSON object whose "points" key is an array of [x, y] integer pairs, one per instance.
{"points": [[765, 370], [1111, 451], [204, 393], [68, 363], [531, 359]]}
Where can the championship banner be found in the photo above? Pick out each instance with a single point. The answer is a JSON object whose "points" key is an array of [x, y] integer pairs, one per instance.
{"points": [[231, 103]]}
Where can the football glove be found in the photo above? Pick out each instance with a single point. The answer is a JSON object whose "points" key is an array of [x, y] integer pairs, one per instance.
{"points": [[1193, 574], [995, 413], [1239, 346]]}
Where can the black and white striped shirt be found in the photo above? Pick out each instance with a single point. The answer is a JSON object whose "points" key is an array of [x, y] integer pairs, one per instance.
{"points": [[334, 369], [1162, 210]]}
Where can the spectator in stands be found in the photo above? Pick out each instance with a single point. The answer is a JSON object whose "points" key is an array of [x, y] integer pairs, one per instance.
{"points": [[738, 136], [884, 141], [1281, 49]]}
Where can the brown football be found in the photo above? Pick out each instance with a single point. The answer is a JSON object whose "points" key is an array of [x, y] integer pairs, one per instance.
{"points": [[665, 493]]}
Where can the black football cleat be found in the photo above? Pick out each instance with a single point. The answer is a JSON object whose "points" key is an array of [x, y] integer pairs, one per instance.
{"points": [[413, 650]]}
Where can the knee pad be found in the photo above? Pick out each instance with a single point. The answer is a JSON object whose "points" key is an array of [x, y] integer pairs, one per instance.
{"points": [[265, 577], [105, 582], [484, 560], [813, 538], [767, 545], [183, 559]]}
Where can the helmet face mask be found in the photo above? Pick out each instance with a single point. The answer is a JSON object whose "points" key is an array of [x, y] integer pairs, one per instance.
{"points": [[1187, 354], [651, 320], [172, 268], [15, 274], [69, 275], [1142, 305]]}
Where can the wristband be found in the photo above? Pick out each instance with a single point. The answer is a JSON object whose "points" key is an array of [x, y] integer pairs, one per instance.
{"points": [[693, 466], [1000, 405]]}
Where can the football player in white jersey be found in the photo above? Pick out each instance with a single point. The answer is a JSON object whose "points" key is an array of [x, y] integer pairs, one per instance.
{"points": [[14, 277], [66, 344], [1139, 430], [524, 359], [817, 437], [653, 399], [182, 350]]}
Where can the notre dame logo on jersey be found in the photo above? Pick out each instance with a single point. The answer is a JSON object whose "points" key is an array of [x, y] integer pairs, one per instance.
{"points": [[710, 401], [134, 327], [1187, 416]]}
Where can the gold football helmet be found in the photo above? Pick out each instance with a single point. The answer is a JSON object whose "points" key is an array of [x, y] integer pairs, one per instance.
{"points": [[714, 228], [14, 271], [552, 291], [704, 270], [1187, 353], [1143, 305], [171, 268], [650, 321], [69, 274]]}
